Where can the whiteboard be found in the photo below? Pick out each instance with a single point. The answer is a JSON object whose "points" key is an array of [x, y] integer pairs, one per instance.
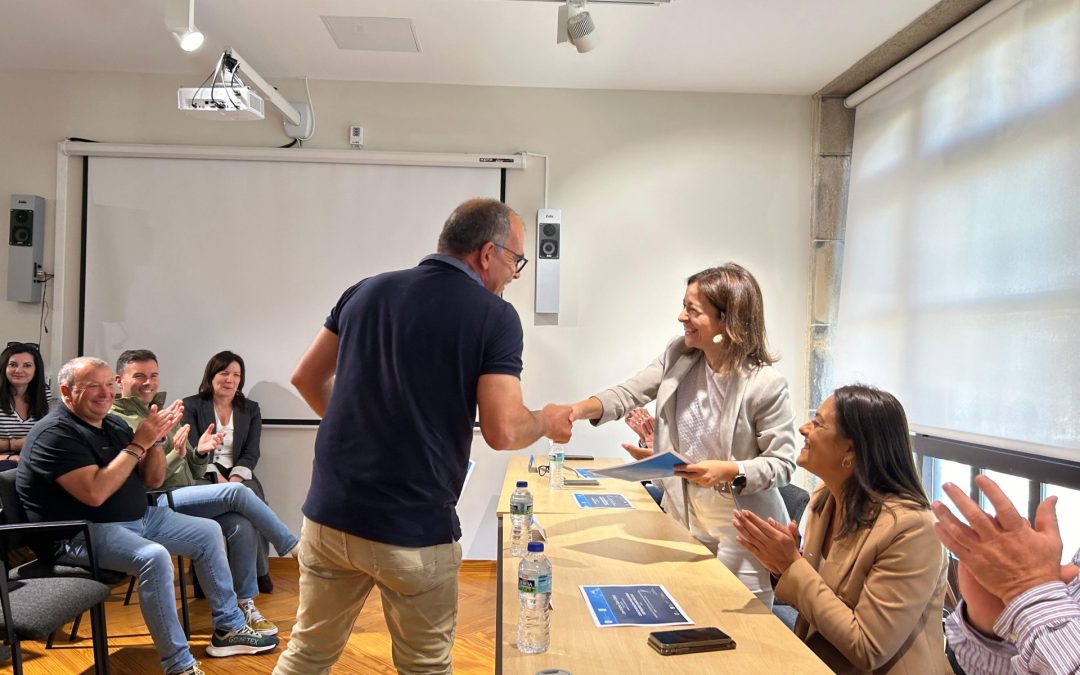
{"points": [[188, 257]]}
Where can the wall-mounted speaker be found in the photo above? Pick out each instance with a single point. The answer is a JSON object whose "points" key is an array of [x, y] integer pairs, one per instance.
{"points": [[548, 251], [26, 247]]}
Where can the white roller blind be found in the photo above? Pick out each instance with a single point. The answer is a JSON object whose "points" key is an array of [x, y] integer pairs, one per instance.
{"points": [[190, 257], [961, 278]]}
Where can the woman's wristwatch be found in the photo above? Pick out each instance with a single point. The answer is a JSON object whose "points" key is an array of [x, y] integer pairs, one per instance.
{"points": [[739, 481]]}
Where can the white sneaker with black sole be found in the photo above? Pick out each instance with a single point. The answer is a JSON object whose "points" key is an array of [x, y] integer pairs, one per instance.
{"points": [[241, 641]]}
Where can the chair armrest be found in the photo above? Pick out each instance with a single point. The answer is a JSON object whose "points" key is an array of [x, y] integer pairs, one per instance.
{"points": [[152, 495], [57, 529]]}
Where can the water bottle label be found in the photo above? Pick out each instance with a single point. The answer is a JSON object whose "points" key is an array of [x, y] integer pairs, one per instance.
{"points": [[559, 456], [521, 509], [530, 585]]}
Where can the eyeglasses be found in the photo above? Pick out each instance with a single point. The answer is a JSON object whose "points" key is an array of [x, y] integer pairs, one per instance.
{"points": [[520, 261], [542, 469], [23, 346]]}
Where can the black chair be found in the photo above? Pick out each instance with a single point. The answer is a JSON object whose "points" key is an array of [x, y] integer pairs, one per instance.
{"points": [[34, 608], [46, 566], [795, 501]]}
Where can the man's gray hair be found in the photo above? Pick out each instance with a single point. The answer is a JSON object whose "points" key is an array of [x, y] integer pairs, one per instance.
{"points": [[68, 370], [473, 224]]}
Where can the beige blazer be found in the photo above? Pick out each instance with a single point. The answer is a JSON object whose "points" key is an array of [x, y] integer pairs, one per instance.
{"points": [[757, 419], [874, 606]]}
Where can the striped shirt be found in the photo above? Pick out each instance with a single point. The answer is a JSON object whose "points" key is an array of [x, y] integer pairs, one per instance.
{"points": [[1043, 629], [12, 426]]}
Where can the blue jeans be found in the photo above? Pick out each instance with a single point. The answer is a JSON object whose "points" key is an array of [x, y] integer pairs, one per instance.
{"points": [[144, 548], [243, 517]]}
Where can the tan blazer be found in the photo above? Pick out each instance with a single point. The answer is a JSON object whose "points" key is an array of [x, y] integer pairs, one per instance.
{"points": [[757, 419], [874, 606]]}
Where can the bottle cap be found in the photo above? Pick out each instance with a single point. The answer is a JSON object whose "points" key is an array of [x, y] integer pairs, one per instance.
{"points": [[536, 547], [523, 483]]}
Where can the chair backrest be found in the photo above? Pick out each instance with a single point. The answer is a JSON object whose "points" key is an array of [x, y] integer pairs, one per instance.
{"points": [[11, 510], [795, 500]]}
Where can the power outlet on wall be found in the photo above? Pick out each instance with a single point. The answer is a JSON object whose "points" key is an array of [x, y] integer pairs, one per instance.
{"points": [[356, 136]]}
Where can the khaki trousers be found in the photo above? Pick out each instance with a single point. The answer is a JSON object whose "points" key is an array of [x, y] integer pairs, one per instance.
{"points": [[419, 589]]}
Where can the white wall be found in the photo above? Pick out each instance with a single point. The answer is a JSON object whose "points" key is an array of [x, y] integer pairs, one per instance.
{"points": [[653, 187]]}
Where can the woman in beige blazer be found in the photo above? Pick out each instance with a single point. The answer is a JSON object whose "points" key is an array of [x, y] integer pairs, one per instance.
{"points": [[870, 582], [720, 402]]}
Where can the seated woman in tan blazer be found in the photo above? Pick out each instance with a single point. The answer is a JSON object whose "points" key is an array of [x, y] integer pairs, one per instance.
{"points": [[870, 582]]}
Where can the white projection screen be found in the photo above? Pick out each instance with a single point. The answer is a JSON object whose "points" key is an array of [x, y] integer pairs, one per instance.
{"points": [[188, 257]]}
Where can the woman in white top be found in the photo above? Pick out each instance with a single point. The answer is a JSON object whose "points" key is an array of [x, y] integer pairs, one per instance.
{"points": [[720, 403], [221, 402], [23, 398]]}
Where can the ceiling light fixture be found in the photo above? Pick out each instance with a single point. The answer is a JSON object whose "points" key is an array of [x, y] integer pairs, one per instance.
{"points": [[579, 26], [180, 21], [576, 26]]}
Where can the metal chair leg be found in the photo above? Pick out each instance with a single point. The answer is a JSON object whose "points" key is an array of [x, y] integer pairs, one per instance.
{"points": [[16, 658], [183, 596], [100, 638], [52, 638], [131, 587], [75, 628]]}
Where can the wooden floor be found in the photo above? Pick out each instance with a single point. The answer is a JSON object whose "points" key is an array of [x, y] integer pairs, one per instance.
{"points": [[132, 652]]}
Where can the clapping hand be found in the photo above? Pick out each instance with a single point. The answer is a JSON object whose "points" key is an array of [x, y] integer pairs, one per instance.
{"points": [[643, 425], [209, 441], [179, 441], [775, 545], [158, 423], [1003, 553]]}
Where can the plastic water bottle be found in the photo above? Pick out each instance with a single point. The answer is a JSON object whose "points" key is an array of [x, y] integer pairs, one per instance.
{"points": [[521, 511], [534, 594], [556, 456]]}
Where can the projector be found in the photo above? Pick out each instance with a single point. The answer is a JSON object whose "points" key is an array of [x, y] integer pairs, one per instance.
{"points": [[225, 103]]}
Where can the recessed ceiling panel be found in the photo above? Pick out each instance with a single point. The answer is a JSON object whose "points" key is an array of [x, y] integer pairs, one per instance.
{"points": [[371, 33]]}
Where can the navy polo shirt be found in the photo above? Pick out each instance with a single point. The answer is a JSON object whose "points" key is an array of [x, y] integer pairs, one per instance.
{"points": [[392, 450]]}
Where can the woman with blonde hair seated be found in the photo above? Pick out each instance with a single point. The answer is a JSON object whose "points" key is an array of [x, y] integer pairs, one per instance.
{"points": [[870, 582]]}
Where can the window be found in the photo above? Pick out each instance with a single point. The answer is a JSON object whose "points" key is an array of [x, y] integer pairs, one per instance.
{"points": [[1015, 488], [1068, 507]]}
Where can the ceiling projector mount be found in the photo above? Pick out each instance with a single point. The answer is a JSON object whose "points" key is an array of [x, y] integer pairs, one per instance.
{"points": [[226, 95]]}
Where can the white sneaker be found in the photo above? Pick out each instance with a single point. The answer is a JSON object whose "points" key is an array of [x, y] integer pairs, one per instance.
{"points": [[256, 620]]}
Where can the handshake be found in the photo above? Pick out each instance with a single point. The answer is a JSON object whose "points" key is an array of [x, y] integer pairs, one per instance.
{"points": [[558, 419]]}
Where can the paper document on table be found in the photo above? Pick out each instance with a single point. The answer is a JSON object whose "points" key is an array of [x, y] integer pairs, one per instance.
{"points": [[654, 466], [639, 605]]}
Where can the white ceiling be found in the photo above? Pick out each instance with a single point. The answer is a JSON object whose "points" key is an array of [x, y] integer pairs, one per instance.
{"points": [[748, 46]]}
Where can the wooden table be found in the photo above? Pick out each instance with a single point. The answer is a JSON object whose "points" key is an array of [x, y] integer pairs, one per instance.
{"points": [[548, 500], [641, 547]]}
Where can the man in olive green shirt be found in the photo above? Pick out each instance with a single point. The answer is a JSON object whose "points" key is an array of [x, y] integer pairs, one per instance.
{"points": [[242, 515]]}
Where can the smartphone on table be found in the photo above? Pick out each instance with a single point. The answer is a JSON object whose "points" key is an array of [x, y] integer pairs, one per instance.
{"points": [[690, 641]]}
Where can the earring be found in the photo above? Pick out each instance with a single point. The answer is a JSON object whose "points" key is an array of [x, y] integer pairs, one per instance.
{"points": [[846, 463], [718, 338]]}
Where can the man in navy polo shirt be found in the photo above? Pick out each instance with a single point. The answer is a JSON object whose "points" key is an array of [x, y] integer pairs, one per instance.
{"points": [[397, 373]]}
